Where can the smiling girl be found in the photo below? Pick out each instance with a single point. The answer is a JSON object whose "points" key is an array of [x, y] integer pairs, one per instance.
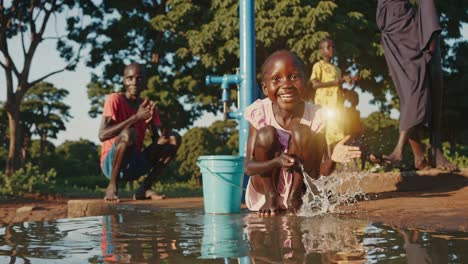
{"points": [[286, 131]]}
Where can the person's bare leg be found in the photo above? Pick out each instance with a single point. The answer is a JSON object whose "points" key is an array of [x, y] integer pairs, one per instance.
{"points": [[420, 162], [437, 158], [397, 153], [306, 146], [266, 148], [154, 155], [122, 144]]}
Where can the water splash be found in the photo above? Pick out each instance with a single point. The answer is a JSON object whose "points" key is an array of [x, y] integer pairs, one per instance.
{"points": [[323, 195]]}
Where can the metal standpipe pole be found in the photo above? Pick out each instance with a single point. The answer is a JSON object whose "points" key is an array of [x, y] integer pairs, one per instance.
{"points": [[247, 67], [245, 78]]}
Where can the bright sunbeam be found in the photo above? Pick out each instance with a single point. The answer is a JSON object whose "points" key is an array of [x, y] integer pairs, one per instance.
{"points": [[330, 113]]}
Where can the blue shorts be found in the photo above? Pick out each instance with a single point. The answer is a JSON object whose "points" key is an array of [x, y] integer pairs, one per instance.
{"points": [[135, 166]]}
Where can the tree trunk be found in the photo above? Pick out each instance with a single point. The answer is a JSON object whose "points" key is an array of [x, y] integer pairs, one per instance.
{"points": [[42, 144], [25, 153], [14, 156]]}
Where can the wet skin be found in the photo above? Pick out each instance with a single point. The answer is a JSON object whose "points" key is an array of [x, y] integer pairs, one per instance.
{"points": [[284, 83]]}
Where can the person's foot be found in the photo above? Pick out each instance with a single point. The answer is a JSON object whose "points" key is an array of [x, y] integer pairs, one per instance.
{"points": [[148, 195], [111, 195], [270, 208], [421, 164], [385, 159], [442, 163]]}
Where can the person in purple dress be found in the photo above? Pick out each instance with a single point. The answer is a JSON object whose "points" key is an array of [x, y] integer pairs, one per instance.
{"points": [[410, 40]]}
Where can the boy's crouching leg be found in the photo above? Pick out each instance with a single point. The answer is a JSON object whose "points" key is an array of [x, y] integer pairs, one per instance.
{"points": [[160, 156]]}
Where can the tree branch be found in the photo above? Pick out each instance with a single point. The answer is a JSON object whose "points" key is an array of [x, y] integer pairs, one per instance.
{"points": [[47, 76], [32, 20], [46, 18], [36, 37], [22, 41], [48, 38], [73, 62]]}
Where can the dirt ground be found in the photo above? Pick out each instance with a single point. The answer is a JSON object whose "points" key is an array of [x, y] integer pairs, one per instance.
{"points": [[429, 200]]}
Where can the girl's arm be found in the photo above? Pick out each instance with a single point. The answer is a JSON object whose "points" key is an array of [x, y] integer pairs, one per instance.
{"points": [[253, 167], [328, 165]]}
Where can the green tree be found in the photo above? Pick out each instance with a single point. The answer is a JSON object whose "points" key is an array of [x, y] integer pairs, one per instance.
{"points": [[221, 138], [226, 135], [3, 136], [126, 35], [456, 95], [76, 159], [193, 39], [378, 120], [27, 21], [44, 113]]}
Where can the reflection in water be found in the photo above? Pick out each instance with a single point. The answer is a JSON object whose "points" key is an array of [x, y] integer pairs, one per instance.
{"points": [[223, 237], [189, 236]]}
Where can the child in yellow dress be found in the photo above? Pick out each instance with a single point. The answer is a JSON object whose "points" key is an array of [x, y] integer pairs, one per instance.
{"points": [[326, 80]]}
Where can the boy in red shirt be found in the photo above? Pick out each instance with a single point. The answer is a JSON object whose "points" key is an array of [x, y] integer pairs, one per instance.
{"points": [[125, 118]]}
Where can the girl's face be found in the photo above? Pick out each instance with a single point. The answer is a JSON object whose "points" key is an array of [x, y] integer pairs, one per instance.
{"points": [[284, 81], [328, 49]]}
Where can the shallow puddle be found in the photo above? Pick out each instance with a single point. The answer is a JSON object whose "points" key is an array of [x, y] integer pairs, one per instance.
{"points": [[189, 236]]}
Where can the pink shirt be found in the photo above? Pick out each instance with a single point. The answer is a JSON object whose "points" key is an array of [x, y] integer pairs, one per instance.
{"points": [[260, 114], [117, 108]]}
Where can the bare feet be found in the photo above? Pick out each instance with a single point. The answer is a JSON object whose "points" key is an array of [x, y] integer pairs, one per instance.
{"points": [[111, 195], [442, 163], [421, 164], [149, 195], [384, 159], [392, 158], [270, 208], [294, 202]]}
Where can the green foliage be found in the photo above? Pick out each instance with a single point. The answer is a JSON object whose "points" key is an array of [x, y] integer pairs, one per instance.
{"points": [[380, 136], [126, 36], [183, 41], [456, 95], [28, 180], [44, 113], [458, 155], [379, 120], [19, 19], [188, 188], [221, 138], [76, 159]]}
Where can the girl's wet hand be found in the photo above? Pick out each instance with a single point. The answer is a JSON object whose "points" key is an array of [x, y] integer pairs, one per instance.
{"points": [[343, 153], [286, 161]]}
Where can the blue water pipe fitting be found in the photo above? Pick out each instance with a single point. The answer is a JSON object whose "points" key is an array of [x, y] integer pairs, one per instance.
{"points": [[225, 81]]}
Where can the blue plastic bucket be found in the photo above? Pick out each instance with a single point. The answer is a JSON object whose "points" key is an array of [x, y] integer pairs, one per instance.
{"points": [[223, 237], [222, 177]]}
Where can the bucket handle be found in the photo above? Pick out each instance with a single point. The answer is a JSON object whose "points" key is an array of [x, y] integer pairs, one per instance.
{"points": [[219, 175]]}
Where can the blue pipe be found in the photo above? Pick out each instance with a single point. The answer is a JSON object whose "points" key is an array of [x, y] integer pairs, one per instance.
{"points": [[247, 67], [246, 76]]}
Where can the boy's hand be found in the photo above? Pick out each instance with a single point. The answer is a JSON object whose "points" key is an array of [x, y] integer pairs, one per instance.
{"points": [[170, 147], [144, 110], [152, 106], [343, 154]]}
